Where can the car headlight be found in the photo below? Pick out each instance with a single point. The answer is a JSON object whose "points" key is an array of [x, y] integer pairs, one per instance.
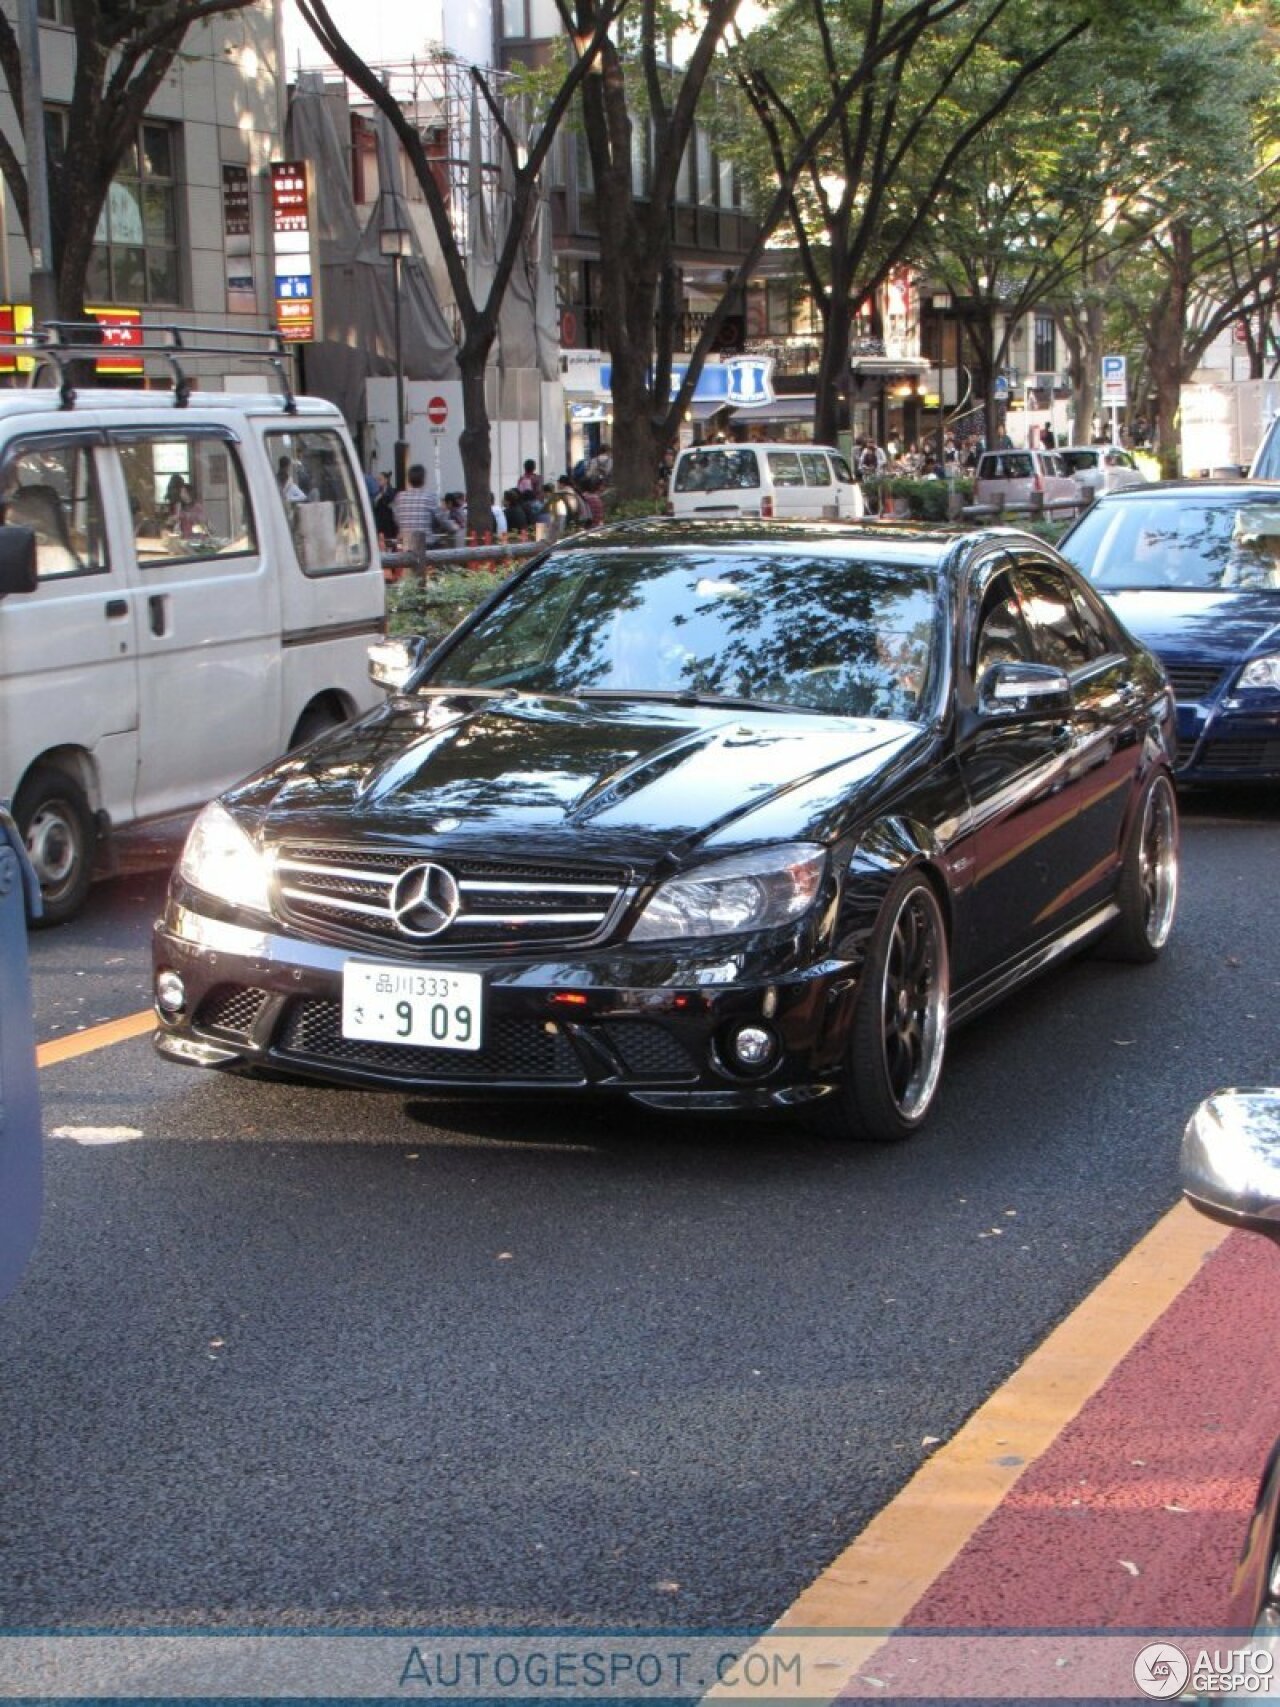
{"points": [[748, 892], [1261, 672], [221, 860]]}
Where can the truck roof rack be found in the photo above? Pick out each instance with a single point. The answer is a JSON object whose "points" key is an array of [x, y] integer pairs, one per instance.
{"points": [[61, 342]]}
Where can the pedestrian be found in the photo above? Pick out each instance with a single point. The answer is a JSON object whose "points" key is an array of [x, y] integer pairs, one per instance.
{"points": [[600, 466], [415, 512], [384, 512], [529, 487], [592, 501]]}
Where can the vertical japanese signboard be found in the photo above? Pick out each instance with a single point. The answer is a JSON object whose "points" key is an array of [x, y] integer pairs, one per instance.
{"points": [[237, 240], [295, 295]]}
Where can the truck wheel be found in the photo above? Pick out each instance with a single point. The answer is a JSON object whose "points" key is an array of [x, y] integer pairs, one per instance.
{"points": [[315, 720], [52, 813]]}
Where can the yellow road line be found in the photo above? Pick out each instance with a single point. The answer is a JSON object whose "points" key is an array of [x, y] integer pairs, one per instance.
{"points": [[96, 1037], [880, 1576]]}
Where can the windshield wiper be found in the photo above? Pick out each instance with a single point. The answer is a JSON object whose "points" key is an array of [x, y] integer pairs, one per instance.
{"points": [[685, 696]]}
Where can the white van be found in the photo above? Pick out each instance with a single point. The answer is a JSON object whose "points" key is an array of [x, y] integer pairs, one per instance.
{"points": [[207, 586], [782, 481]]}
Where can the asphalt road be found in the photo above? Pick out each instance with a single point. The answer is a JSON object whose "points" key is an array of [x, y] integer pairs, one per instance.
{"points": [[303, 1357]]}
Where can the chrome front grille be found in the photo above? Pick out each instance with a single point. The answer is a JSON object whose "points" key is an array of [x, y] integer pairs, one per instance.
{"points": [[350, 892]]}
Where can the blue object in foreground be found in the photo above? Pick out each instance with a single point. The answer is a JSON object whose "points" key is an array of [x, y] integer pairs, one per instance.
{"points": [[21, 1132]]}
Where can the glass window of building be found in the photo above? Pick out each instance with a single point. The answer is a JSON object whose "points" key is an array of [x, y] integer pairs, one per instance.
{"points": [[135, 257]]}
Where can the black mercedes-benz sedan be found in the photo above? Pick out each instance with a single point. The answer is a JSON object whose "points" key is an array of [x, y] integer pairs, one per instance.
{"points": [[713, 817]]}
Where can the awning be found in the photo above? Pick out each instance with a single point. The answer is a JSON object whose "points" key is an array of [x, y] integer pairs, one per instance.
{"points": [[703, 408], [781, 409]]}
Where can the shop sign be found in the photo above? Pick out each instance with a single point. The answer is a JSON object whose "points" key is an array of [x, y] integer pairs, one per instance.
{"points": [[295, 295]]}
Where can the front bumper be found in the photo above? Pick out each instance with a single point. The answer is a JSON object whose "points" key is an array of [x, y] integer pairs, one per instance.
{"points": [[653, 1025]]}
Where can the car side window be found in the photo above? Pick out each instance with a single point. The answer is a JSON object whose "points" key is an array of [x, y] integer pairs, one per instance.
{"points": [[1002, 637], [187, 497], [816, 471], [784, 465], [317, 488], [1051, 613], [52, 488]]}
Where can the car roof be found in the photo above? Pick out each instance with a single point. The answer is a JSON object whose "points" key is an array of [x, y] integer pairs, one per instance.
{"points": [[759, 444], [893, 542], [42, 400], [1173, 491]]}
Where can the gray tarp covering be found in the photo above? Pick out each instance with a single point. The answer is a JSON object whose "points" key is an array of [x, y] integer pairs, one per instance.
{"points": [[356, 308]]}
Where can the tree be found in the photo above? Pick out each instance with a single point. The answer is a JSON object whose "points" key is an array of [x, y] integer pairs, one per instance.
{"points": [[864, 200], [524, 160], [122, 54], [1169, 111], [641, 91]]}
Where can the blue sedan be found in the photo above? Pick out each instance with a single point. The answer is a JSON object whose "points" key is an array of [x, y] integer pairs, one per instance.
{"points": [[1192, 568]]}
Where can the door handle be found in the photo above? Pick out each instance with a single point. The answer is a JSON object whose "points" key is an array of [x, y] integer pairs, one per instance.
{"points": [[156, 613], [116, 608]]}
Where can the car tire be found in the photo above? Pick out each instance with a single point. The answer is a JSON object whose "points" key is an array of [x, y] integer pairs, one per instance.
{"points": [[54, 819], [1147, 893], [898, 1038]]}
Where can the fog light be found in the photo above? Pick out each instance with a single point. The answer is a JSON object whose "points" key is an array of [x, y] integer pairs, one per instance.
{"points": [[754, 1046], [171, 993]]}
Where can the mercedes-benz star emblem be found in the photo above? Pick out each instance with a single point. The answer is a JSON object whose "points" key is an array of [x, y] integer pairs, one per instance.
{"points": [[424, 901]]}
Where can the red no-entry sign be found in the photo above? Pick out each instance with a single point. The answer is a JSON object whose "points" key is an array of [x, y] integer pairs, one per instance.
{"points": [[437, 411]]}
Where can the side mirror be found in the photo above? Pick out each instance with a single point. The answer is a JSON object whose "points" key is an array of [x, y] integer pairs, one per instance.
{"points": [[1230, 1161], [17, 559], [1015, 690], [392, 663]]}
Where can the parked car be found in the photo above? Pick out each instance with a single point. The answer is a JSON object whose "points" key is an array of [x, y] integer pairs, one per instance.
{"points": [[770, 480], [1192, 568], [1230, 1165], [190, 619], [714, 817], [1100, 468], [1007, 477]]}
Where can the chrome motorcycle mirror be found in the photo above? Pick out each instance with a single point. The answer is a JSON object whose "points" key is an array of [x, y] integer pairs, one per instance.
{"points": [[1230, 1160]]}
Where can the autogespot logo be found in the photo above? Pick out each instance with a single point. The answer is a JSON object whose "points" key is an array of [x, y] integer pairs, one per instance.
{"points": [[424, 901], [1161, 1671]]}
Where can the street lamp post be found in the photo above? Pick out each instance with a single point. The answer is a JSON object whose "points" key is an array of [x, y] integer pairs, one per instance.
{"points": [[395, 240]]}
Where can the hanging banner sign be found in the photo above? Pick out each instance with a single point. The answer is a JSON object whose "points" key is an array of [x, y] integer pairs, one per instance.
{"points": [[237, 240], [295, 294]]}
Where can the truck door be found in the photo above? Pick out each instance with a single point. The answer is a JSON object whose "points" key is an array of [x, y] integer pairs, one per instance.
{"points": [[209, 653], [68, 651]]}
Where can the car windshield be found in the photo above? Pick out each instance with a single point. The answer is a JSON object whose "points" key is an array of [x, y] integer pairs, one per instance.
{"points": [[853, 638], [718, 469], [1184, 544]]}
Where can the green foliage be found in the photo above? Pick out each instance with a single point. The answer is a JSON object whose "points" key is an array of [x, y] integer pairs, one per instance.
{"points": [[618, 509], [434, 605], [927, 500]]}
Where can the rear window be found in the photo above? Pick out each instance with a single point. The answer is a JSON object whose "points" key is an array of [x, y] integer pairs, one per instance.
{"points": [[1006, 465], [1078, 459], [716, 469]]}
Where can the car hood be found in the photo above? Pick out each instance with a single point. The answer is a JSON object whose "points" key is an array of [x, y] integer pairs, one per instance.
{"points": [[529, 777], [1210, 627]]}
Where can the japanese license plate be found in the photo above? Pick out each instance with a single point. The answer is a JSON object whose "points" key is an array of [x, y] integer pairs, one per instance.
{"points": [[435, 1009]]}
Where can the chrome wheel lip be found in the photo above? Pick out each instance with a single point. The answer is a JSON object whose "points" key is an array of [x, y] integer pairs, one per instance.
{"points": [[925, 1008], [1158, 863]]}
